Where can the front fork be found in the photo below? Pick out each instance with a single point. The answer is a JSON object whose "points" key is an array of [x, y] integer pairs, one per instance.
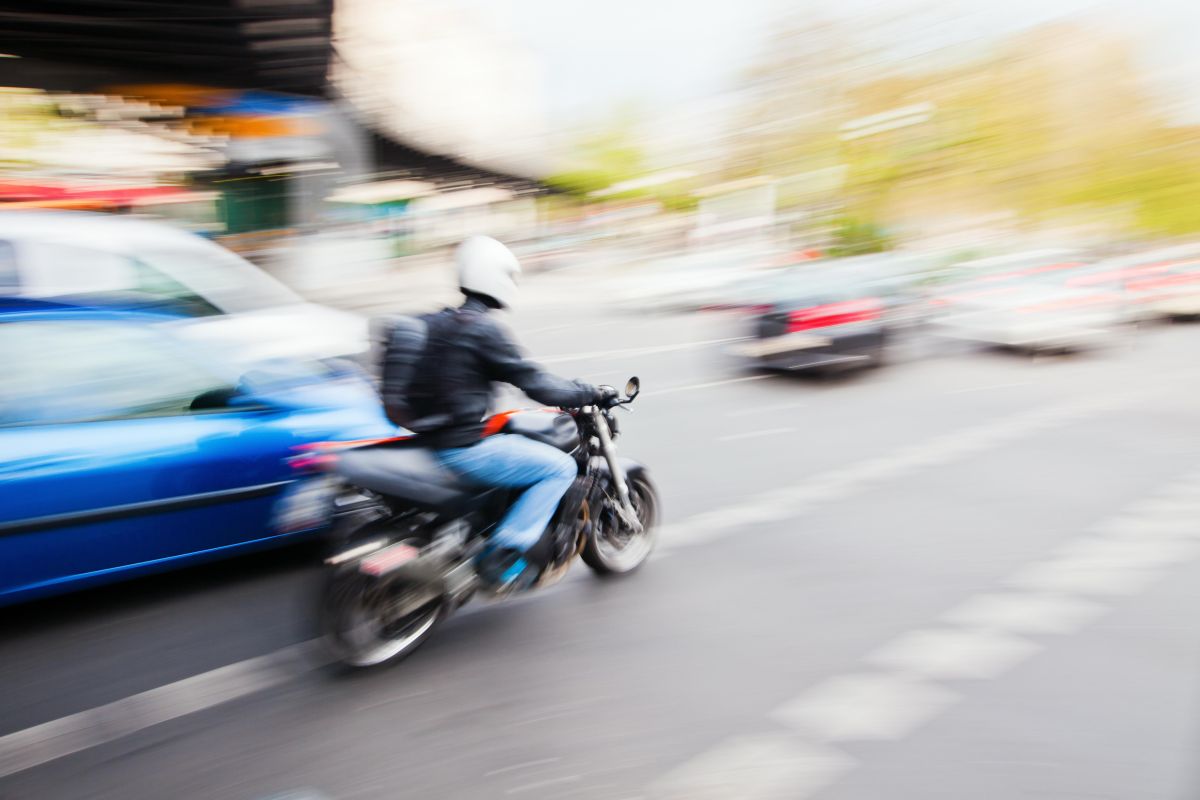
{"points": [[624, 508]]}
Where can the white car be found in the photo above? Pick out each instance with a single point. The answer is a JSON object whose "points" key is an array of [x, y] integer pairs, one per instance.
{"points": [[1046, 311], [1163, 283], [1028, 260], [226, 300]]}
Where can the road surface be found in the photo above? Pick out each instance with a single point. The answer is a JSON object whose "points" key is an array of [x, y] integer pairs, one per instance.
{"points": [[966, 575]]}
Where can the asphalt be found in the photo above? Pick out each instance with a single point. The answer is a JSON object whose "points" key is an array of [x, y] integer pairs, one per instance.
{"points": [[811, 626]]}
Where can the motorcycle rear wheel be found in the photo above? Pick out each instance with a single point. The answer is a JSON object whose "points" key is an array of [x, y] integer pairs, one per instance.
{"points": [[354, 624]]}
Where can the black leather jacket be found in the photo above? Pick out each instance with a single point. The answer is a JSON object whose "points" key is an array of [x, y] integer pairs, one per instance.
{"points": [[469, 351]]}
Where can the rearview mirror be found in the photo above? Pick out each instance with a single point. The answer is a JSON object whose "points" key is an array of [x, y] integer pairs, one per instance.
{"points": [[633, 387]]}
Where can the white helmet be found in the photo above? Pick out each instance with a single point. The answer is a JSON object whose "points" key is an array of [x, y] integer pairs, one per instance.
{"points": [[487, 267]]}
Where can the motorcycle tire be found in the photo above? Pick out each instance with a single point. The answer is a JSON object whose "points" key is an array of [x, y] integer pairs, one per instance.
{"points": [[611, 552]]}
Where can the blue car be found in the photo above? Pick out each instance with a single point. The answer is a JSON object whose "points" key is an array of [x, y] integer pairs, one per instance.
{"points": [[126, 450]]}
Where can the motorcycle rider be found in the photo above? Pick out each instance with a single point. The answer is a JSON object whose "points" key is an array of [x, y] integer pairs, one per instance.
{"points": [[466, 351]]}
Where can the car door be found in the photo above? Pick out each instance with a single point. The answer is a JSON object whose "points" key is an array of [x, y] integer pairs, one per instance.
{"points": [[108, 468]]}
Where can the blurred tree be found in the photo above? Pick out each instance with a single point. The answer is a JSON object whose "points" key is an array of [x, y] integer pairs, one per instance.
{"points": [[794, 97], [598, 159], [855, 237], [1053, 123]]}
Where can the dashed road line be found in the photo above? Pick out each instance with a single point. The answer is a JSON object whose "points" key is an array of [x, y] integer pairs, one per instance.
{"points": [[949, 653], [52, 740], [543, 784], [639, 351], [734, 437], [763, 767], [990, 387], [754, 411], [523, 765], [792, 501], [896, 688], [1025, 613], [691, 387], [867, 706]]}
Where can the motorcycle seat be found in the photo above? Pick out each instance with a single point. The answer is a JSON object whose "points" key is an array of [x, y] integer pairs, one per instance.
{"points": [[414, 474]]}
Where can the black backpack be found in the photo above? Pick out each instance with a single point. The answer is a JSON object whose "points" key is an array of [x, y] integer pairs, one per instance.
{"points": [[412, 348]]}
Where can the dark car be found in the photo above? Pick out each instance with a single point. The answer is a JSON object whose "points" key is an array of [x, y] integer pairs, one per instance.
{"points": [[819, 316]]}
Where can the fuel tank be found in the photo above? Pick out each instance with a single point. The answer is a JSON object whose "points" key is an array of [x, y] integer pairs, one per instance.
{"points": [[555, 428]]}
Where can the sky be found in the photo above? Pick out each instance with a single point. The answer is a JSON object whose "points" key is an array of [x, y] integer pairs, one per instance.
{"points": [[661, 54]]}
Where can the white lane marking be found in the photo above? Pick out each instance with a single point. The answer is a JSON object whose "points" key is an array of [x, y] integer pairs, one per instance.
{"points": [[31, 747], [754, 411], [52, 740], [758, 767], [989, 388], [1125, 525], [639, 351], [523, 765], [864, 706], [691, 387], [398, 698], [542, 784], [844, 481], [1146, 553], [40, 744], [890, 703], [944, 654], [733, 437], [1169, 506], [1080, 578], [1025, 613]]}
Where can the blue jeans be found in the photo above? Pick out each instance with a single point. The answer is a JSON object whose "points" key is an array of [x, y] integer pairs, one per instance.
{"points": [[515, 462]]}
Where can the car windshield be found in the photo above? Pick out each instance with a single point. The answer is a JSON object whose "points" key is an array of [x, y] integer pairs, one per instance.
{"points": [[235, 285], [81, 370], [815, 285]]}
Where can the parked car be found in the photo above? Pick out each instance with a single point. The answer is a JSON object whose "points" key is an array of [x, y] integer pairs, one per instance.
{"points": [[1056, 309], [971, 281], [92, 257], [128, 449], [1022, 262], [1162, 283], [818, 316]]}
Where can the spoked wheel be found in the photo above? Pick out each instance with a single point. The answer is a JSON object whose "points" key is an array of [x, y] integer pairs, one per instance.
{"points": [[366, 622], [614, 549]]}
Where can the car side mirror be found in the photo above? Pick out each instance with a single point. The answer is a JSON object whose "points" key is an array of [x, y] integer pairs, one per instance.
{"points": [[633, 387], [229, 398], [216, 399]]}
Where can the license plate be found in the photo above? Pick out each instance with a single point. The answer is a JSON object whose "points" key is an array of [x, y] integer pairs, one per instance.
{"points": [[388, 559], [785, 344]]}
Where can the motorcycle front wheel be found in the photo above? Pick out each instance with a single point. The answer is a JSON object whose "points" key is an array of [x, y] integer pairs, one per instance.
{"points": [[614, 549]]}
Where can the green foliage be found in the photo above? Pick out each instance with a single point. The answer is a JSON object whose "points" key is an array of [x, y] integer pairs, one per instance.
{"points": [[603, 157], [855, 237], [1051, 123], [580, 182]]}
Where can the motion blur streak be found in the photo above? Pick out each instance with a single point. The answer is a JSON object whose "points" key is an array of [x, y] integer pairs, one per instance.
{"points": [[911, 290]]}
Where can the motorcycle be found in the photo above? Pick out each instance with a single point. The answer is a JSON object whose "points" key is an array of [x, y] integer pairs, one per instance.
{"points": [[408, 532]]}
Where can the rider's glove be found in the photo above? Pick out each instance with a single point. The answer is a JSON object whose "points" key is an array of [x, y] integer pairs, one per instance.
{"points": [[606, 395]]}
